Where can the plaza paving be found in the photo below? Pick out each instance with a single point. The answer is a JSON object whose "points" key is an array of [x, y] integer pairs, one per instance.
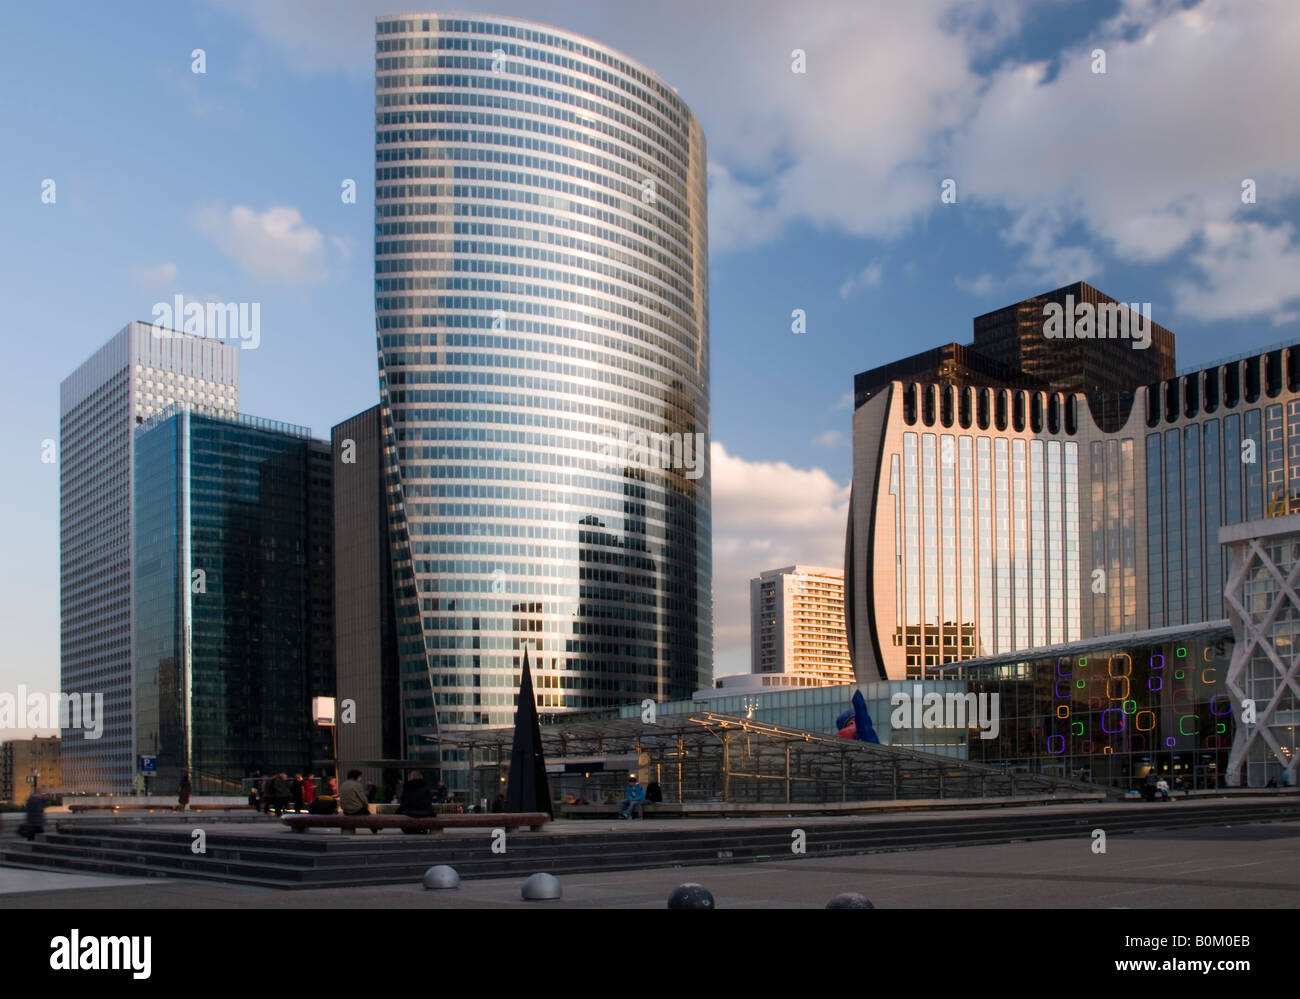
{"points": [[1211, 867]]}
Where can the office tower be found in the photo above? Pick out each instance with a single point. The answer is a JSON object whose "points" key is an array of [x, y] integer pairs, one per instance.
{"points": [[542, 309], [796, 627], [1106, 360], [986, 521], [1012, 349], [139, 372], [233, 585], [365, 625]]}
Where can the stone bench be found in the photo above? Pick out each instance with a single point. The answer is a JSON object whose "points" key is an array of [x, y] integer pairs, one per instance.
{"points": [[509, 821]]}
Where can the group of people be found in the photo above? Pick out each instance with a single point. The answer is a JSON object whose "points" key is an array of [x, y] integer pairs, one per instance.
{"points": [[277, 793], [1157, 787]]}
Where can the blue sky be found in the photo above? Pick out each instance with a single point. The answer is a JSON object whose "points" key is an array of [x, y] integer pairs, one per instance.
{"points": [[824, 196]]}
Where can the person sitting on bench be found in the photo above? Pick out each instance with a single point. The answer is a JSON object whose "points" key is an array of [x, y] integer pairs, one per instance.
{"points": [[417, 800], [352, 796], [634, 803]]}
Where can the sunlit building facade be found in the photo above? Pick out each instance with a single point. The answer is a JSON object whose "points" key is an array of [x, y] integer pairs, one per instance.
{"points": [[796, 624], [541, 299], [989, 520]]}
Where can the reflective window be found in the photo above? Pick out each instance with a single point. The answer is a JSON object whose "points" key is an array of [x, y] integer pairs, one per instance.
{"points": [[1174, 527], [1232, 465], [1155, 534], [1213, 519], [1192, 518]]}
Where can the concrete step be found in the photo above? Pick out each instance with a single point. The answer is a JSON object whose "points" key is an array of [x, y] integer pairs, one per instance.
{"points": [[295, 860]]}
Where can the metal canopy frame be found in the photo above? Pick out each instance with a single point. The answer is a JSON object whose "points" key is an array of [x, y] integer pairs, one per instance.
{"points": [[705, 756]]}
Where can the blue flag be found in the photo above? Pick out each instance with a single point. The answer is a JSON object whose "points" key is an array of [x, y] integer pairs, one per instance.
{"points": [[865, 732]]}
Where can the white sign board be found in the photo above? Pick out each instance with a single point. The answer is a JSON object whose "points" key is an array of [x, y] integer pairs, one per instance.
{"points": [[322, 709]]}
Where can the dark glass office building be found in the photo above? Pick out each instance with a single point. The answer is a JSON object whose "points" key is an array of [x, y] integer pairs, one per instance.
{"points": [[233, 593]]}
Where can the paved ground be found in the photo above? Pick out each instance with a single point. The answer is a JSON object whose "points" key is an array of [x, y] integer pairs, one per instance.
{"points": [[1218, 867]]}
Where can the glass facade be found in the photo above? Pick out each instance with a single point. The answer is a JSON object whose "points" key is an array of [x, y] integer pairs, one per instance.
{"points": [[541, 294], [1106, 713], [136, 374], [1008, 541], [988, 550], [1109, 714], [232, 589]]}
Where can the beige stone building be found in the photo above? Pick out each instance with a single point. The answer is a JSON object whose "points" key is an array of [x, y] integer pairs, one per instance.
{"points": [[797, 624], [21, 759]]}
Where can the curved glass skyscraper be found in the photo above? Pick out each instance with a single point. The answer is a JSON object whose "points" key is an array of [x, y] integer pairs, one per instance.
{"points": [[542, 303]]}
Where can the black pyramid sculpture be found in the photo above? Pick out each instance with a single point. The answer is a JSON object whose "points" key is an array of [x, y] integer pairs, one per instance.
{"points": [[528, 789]]}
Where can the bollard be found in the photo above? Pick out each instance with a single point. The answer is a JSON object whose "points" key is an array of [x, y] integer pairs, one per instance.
{"points": [[849, 900], [541, 888], [441, 876], [691, 896]]}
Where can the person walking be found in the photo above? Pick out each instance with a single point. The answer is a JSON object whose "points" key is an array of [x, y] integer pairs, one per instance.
{"points": [[35, 814], [265, 794], [183, 791], [296, 792], [308, 791], [280, 794]]}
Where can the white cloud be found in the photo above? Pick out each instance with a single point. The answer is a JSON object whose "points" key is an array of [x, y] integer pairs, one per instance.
{"points": [[845, 403], [766, 515], [981, 285], [275, 246], [1249, 269], [869, 277], [1143, 159], [828, 438], [152, 277], [1134, 164]]}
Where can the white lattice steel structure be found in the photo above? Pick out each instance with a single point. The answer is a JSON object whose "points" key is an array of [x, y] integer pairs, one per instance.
{"points": [[1263, 605]]}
